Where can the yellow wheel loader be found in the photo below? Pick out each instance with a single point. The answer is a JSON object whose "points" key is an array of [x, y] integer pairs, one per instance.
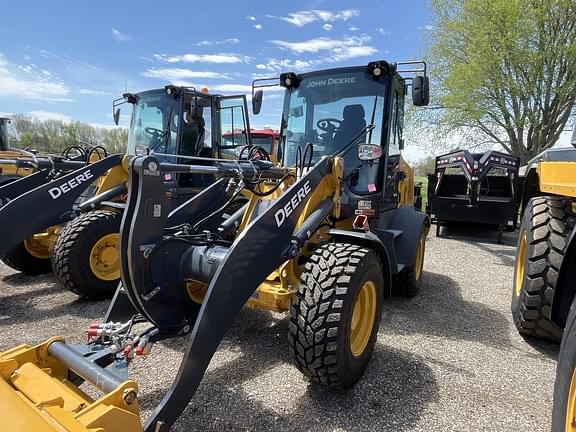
{"points": [[324, 237], [544, 279], [76, 234]]}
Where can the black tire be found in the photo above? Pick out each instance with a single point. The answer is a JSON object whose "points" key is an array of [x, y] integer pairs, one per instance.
{"points": [[407, 282], [544, 232], [320, 325], [23, 261], [564, 373], [72, 253]]}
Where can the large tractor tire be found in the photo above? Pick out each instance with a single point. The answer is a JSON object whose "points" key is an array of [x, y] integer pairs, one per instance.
{"points": [[407, 282], [86, 255], [564, 408], [335, 315], [28, 257], [542, 243]]}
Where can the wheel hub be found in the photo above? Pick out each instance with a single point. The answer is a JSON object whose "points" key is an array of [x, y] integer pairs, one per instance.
{"points": [[520, 264], [105, 257], [571, 408], [363, 317], [420, 256]]}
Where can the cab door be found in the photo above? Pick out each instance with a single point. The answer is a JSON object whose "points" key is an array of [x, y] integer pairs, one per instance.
{"points": [[233, 126]]}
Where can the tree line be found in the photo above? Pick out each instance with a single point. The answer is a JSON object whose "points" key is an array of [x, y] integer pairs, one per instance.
{"points": [[53, 136]]}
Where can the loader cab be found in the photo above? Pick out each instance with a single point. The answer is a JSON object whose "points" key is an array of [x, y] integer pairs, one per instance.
{"points": [[179, 122], [333, 112]]}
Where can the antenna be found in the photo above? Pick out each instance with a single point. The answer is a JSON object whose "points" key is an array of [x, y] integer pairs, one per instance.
{"points": [[282, 62]]}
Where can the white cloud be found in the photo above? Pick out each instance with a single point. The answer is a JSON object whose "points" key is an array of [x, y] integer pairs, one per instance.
{"points": [[382, 31], [49, 115], [251, 18], [427, 27], [327, 27], [325, 44], [203, 58], [258, 26], [276, 65], [353, 28], [231, 41], [120, 37], [302, 18], [175, 74], [90, 92], [31, 82]]}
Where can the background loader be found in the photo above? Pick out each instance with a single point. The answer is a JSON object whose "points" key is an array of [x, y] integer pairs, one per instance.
{"points": [[544, 276], [76, 234], [325, 236]]}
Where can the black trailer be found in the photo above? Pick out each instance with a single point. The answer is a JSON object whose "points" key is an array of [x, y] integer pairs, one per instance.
{"points": [[480, 188]]}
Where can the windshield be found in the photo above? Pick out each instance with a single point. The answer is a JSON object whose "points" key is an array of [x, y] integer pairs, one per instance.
{"points": [[329, 111], [154, 122]]}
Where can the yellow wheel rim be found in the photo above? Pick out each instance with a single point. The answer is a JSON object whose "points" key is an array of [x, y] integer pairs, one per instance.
{"points": [[37, 248], [571, 408], [420, 256], [363, 318], [520, 264], [105, 258]]}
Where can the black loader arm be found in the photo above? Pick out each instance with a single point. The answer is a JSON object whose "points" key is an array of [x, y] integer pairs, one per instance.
{"points": [[148, 257], [52, 203], [20, 186]]}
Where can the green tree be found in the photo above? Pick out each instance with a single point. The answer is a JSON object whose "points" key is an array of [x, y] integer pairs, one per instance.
{"points": [[506, 69]]}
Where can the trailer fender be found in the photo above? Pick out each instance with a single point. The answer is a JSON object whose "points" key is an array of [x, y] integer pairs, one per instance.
{"points": [[565, 285], [50, 204], [371, 241], [410, 223]]}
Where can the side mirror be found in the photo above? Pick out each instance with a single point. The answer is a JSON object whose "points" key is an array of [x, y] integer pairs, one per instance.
{"points": [[117, 116], [420, 90], [573, 140], [369, 152], [401, 143], [257, 102]]}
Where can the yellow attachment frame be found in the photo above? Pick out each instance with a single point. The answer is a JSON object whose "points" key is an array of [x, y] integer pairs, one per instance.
{"points": [[37, 396], [116, 176], [557, 178]]}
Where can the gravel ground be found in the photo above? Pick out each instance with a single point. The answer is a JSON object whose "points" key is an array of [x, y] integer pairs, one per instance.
{"points": [[447, 360]]}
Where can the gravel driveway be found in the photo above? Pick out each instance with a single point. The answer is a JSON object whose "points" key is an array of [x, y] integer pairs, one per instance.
{"points": [[447, 360]]}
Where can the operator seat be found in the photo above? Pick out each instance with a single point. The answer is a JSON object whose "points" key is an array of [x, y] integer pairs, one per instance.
{"points": [[193, 136], [352, 124]]}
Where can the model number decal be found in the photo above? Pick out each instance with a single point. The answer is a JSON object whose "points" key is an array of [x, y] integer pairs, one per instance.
{"points": [[73, 183], [282, 213]]}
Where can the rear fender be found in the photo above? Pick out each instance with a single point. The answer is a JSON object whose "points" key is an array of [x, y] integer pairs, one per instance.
{"points": [[411, 222], [48, 205], [371, 241]]}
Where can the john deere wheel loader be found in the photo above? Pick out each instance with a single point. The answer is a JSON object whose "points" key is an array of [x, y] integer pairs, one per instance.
{"points": [[544, 278], [22, 171], [83, 253], [321, 238]]}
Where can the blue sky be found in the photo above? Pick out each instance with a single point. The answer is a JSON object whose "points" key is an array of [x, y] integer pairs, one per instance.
{"points": [[70, 59]]}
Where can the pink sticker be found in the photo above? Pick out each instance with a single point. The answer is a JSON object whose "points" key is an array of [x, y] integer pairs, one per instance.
{"points": [[371, 187], [167, 177]]}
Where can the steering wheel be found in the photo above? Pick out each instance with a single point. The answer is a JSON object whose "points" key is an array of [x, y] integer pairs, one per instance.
{"points": [[328, 124], [152, 131]]}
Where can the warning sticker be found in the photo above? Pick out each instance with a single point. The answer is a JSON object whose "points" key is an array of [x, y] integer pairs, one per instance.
{"points": [[364, 204], [367, 212]]}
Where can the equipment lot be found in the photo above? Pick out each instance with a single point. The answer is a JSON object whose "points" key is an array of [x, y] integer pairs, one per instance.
{"points": [[449, 359]]}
